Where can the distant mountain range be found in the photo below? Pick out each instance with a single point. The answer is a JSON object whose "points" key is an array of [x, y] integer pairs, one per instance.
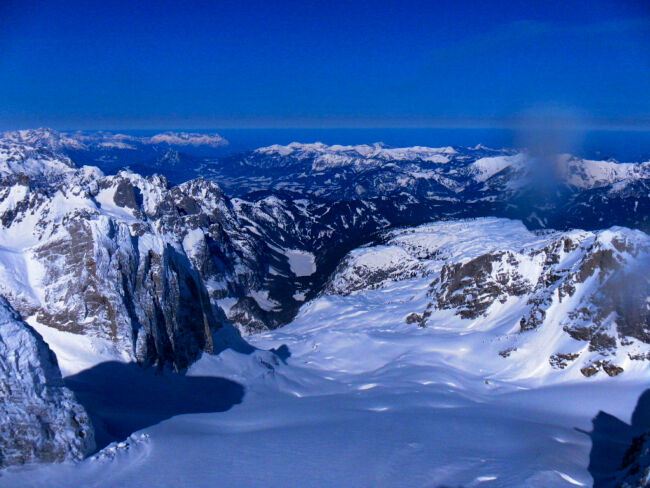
{"points": [[101, 140]]}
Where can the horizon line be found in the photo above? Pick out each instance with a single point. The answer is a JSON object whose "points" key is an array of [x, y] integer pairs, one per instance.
{"points": [[514, 128]]}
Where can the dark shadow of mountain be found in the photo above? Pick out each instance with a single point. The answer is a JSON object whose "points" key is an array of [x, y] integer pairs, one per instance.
{"points": [[122, 398], [282, 352], [228, 337], [611, 438]]}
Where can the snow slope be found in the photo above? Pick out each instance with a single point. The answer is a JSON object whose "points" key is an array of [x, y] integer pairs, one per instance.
{"points": [[360, 403], [356, 395], [301, 263]]}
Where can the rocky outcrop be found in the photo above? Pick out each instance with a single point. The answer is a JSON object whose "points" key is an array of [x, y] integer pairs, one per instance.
{"points": [[86, 239], [151, 267], [583, 295], [97, 256], [472, 287], [40, 419], [594, 279]]}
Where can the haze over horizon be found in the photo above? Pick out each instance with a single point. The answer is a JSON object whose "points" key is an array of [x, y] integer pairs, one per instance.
{"points": [[163, 65]]}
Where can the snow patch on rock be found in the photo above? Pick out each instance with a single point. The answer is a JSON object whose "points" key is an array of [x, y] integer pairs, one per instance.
{"points": [[301, 263]]}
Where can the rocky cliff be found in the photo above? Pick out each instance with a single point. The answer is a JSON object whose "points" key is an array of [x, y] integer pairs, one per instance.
{"points": [[40, 419]]}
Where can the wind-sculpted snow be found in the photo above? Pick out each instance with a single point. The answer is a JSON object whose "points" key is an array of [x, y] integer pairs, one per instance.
{"points": [[40, 419], [352, 375], [491, 346]]}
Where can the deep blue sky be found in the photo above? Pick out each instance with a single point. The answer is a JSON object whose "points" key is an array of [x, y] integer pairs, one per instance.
{"points": [[172, 64]]}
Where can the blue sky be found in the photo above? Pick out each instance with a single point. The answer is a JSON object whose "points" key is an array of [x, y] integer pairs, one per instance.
{"points": [[172, 64]]}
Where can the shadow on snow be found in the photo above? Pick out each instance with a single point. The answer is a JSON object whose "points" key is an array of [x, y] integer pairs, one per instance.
{"points": [[611, 438], [122, 398]]}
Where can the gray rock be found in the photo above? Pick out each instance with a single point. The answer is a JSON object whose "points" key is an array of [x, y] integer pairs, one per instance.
{"points": [[40, 419]]}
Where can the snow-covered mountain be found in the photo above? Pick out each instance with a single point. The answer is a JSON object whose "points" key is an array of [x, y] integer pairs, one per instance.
{"points": [[323, 157], [554, 191], [40, 419], [123, 259], [59, 141], [455, 169], [142, 251], [113, 152], [31, 160], [389, 288], [558, 191], [187, 139], [258, 260], [44, 138], [530, 303], [151, 268]]}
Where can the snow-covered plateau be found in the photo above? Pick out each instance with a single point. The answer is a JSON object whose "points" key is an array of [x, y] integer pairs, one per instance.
{"points": [[383, 333]]}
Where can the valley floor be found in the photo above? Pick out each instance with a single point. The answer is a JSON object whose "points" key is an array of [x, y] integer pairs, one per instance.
{"points": [[348, 398]]}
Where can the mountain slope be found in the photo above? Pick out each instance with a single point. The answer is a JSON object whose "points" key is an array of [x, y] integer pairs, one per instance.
{"points": [[557, 191], [40, 419], [370, 398], [144, 250], [525, 304]]}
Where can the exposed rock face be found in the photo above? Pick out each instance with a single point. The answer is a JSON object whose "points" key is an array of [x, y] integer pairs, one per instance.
{"points": [[471, 287], [585, 293], [98, 258], [40, 419], [594, 279], [90, 254], [118, 236], [635, 470], [150, 267]]}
